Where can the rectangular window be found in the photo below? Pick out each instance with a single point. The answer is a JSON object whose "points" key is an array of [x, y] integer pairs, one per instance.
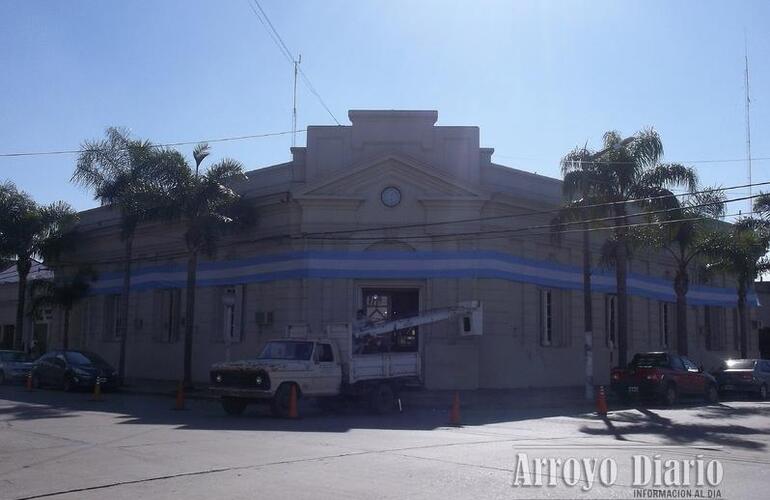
{"points": [[714, 320], [611, 320], [111, 318], [232, 313], [665, 323], [546, 317]]}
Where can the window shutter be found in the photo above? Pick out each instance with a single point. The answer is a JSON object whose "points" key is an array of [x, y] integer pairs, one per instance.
{"points": [[160, 316], [238, 321]]}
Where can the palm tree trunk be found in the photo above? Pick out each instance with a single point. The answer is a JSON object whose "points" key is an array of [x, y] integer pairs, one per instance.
{"points": [[743, 320], [621, 282], [189, 324], [681, 286], [66, 336], [588, 318], [23, 265], [124, 303]]}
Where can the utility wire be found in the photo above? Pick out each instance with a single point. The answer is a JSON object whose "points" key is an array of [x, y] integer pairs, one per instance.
{"points": [[278, 40], [552, 211], [548, 226], [167, 144], [478, 235]]}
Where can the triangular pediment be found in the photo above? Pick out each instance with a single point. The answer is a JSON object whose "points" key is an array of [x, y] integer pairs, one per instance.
{"points": [[391, 169]]}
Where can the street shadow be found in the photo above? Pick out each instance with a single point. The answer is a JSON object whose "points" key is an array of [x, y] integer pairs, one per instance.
{"points": [[205, 414], [643, 421], [725, 410]]}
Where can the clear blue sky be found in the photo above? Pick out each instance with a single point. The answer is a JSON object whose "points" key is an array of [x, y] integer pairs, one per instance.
{"points": [[537, 77]]}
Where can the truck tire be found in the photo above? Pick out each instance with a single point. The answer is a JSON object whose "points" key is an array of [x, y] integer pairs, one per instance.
{"points": [[234, 406], [382, 399], [280, 403]]}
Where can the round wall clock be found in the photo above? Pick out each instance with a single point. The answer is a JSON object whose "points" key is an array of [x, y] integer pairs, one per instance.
{"points": [[390, 196]]}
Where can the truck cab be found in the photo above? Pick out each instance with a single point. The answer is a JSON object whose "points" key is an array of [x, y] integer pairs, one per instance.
{"points": [[313, 366]]}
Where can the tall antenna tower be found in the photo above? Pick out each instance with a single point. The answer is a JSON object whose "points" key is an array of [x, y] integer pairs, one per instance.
{"points": [[294, 107], [748, 121]]}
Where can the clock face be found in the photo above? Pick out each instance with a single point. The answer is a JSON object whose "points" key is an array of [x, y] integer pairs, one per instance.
{"points": [[390, 196]]}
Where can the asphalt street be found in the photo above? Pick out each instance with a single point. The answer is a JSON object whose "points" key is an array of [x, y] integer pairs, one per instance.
{"points": [[59, 445]]}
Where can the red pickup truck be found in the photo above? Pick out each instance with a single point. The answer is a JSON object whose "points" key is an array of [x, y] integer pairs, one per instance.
{"points": [[663, 376]]}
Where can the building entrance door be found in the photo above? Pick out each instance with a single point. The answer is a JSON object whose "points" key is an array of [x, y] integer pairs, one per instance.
{"points": [[386, 305]]}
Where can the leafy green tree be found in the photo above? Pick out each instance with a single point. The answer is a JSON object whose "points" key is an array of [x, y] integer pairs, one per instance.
{"points": [[627, 176], [207, 208], [63, 293], [29, 230], [132, 176], [741, 252]]}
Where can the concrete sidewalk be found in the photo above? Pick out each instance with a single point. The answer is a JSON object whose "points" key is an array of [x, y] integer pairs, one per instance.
{"points": [[480, 399]]}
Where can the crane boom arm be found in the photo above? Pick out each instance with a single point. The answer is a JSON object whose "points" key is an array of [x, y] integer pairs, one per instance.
{"points": [[464, 308]]}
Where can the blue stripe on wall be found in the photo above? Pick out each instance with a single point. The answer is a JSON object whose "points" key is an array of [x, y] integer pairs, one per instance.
{"points": [[478, 264]]}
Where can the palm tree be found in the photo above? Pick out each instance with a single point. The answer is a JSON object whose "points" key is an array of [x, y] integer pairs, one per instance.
{"points": [[577, 167], [207, 208], [29, 230], [682, 233], [131, 176], [741, 252], [64, 293], [628, 171]]}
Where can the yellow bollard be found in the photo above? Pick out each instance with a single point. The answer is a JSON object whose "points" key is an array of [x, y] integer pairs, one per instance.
{"points": [[97, 396]]}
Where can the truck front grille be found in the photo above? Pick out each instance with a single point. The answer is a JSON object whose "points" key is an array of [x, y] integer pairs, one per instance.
{"points": [[239, 378]]}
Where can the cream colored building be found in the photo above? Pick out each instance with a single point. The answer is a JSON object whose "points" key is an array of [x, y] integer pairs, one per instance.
{"points": [[398, 175]]}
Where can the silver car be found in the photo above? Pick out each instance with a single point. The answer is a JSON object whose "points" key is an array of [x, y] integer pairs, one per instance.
{"points": [[14, 366]]}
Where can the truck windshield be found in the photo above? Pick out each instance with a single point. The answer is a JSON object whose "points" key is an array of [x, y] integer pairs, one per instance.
{"points": [[279, 349]]}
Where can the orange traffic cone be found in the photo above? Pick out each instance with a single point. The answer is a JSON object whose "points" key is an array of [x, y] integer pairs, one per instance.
{"points": [[29, 381], [97, 396], [601, 402], [454, 413], [293, 402], [179, 405]]}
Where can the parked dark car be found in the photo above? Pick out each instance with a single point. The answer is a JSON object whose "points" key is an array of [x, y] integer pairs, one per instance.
{"points": [[14, 366], [745, 376], [663, 376], [70, 370]]}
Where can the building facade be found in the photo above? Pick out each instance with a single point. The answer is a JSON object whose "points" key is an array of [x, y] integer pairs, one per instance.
{"points": [[436, 222], [41, 331]]}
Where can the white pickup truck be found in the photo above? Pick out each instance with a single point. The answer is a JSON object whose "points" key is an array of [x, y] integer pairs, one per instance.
{"points": [[346, 361]]}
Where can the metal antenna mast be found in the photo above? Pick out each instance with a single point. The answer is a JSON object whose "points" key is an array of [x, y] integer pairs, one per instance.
{"points": [[748, 120], [294, 108]]}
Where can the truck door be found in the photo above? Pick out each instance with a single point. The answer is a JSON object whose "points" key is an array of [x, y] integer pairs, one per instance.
{"points": [[328, 370]]}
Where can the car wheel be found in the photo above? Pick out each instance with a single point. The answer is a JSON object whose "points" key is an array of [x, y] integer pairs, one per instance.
{"points": [[281, 403], [36, 382], [234, 406], [2, 377], [381, 399], [712, 395], [67, 385], [763, 392], [669, 396]]}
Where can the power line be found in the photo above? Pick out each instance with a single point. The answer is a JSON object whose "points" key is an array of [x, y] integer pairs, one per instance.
{"points": [[167, 144], [477, 235], [530, 212], [549, 226], [278, 40]]}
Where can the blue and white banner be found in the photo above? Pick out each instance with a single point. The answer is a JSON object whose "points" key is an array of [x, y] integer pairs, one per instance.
{"points": [[406, 265]]}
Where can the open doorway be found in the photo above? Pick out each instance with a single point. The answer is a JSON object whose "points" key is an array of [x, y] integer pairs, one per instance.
{"points": [[380, 305]]}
